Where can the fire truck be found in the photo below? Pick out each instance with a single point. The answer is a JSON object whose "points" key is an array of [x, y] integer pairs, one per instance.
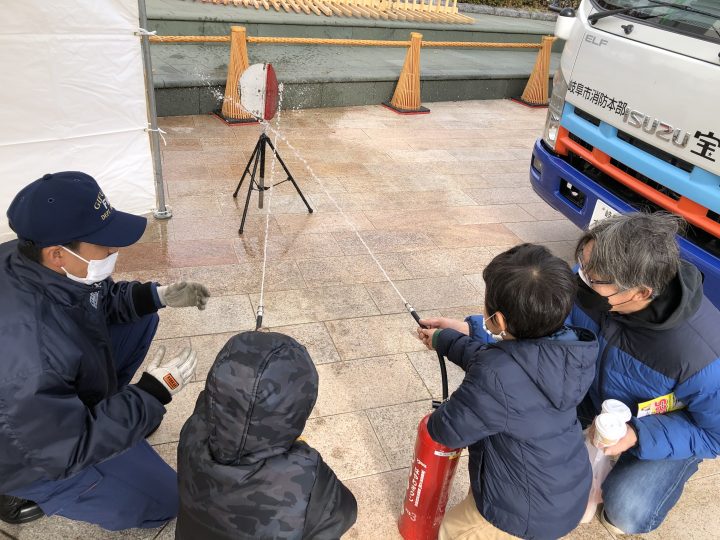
{"points": [[633, 122]]}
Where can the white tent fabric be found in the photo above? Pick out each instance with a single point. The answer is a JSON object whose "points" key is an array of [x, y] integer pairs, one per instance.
{"points": [[72, 97]]}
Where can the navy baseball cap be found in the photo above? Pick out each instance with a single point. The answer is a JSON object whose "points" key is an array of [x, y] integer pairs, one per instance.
{"points": [[69, 206]]}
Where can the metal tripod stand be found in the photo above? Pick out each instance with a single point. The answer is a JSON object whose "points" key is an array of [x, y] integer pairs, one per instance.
{"points": [[258, 159]]}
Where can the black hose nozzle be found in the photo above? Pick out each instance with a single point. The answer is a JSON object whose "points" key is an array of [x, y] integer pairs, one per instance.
{"points": [[414, 314]]}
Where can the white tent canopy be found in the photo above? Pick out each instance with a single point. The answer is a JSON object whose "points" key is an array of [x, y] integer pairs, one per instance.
{"points": [[73, 98]]}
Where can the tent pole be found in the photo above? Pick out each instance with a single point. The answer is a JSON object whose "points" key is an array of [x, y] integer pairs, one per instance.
{"points": [[161, 211]]}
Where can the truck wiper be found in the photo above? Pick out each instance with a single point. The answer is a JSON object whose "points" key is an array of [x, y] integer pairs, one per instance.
{"points": [[592, 19]]}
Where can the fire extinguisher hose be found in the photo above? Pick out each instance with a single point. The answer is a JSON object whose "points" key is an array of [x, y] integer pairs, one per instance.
{"points": [[443, 376], [441, 359]]}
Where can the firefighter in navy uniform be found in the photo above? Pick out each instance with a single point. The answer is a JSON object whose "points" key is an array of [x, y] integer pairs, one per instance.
{"points": [[72, 428]]}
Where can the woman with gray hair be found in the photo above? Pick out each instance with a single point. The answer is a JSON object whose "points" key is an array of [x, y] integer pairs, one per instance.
{"points": [[659, 354]]}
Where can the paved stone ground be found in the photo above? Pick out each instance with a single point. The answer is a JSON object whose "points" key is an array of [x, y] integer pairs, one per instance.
{"points": [[435, 197]]}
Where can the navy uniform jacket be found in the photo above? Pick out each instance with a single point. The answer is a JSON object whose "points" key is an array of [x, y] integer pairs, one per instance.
{"points": [[60, 408]]}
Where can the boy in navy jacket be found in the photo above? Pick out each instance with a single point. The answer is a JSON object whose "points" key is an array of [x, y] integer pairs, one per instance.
{"points": [[516, 407]]}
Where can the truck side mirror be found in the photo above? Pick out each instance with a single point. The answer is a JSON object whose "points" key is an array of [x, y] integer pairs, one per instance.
{"points": [[564, 24]]}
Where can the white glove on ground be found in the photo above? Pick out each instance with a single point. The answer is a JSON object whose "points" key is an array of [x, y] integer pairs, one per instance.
{"points": [[177, 372], [184, 294]]}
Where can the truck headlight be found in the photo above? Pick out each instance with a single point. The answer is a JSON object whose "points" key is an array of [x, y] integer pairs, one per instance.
{"points": [[555, 109]]}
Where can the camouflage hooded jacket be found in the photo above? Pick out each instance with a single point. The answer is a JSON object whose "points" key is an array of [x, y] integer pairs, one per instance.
{"points": [[242, 472]]}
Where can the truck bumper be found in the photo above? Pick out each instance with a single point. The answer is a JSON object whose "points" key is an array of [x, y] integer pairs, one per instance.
{"points": [[549, 172]]}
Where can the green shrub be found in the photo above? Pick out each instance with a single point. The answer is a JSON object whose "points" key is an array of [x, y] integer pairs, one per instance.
{"points": [[530, 4]]}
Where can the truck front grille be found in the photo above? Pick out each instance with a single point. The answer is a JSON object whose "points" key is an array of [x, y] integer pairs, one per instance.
{"points": [[645, 180], [587, 117], [660, 154], [641, 192]]}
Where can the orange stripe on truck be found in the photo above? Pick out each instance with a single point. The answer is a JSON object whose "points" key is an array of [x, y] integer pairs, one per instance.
{"points": [[693, 212]]}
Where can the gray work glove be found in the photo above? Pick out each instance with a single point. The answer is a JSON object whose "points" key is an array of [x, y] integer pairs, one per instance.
{"points": [[177, 372], [184, 294]]}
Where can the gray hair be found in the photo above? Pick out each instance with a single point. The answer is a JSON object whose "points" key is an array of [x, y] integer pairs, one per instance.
{"points": [[634, 250]]}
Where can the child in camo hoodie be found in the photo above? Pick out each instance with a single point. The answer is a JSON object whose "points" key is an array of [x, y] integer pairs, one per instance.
{"points": [[242, 471]]}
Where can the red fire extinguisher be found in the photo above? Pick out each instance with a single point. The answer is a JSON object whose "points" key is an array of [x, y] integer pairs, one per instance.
{"points": [[431, 474]]}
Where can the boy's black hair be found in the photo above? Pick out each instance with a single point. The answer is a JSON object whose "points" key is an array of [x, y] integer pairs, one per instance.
{"points": [[532, 288], [34, 253]]}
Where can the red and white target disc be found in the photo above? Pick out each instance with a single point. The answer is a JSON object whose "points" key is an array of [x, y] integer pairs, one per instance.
{"points": [[259, 91]]}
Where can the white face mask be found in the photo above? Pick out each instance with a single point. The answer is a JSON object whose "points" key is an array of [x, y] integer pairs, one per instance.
{"points": [[97, 270], [496, 337], [585, 279]]}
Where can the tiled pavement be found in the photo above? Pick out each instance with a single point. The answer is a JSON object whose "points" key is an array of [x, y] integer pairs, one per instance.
{"points": [[435, 197]]}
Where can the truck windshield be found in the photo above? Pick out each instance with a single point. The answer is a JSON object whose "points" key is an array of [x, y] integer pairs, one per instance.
{"points": [[702, 19]]}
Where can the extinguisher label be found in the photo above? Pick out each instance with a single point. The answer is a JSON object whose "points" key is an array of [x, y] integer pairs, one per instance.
{"points": [[416, 484], [451, 454]]}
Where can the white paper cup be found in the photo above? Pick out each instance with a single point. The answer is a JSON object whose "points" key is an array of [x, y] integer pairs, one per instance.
{"points": [[618, 408], [609, 429]]}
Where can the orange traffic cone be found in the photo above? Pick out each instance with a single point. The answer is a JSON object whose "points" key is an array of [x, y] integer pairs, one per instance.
{"points": [[536, 90], [232, 110], [406, 99]]}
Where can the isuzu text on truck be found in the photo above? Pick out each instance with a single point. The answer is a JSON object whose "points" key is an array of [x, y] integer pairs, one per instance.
{"points": [[634, 120]]}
